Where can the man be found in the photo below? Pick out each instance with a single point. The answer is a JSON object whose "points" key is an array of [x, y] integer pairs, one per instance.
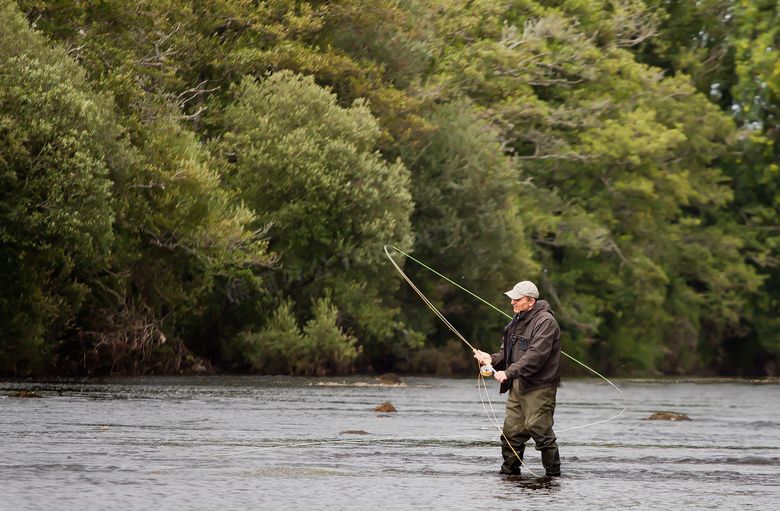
{"points": [[528, 366]]}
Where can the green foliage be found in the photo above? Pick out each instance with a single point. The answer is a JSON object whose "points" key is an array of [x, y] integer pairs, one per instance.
{"points": [[321, 347], [756, 170], [277, 347], [445, 361], [118, 244], [55, 218], [182, 238], [692, 38], [729, 48], [308, 167], [153, 153], [328, 350], [619, 160], [388, 34], [464, 222]]}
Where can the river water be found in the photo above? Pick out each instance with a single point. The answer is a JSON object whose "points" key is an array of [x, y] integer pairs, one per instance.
{"points": [[223, 442]]}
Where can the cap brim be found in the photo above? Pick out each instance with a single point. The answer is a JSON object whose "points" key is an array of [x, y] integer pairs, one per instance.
{"points": [[514, 295]]}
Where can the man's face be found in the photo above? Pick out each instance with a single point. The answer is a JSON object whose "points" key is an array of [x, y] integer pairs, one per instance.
{"points": [[523, 304]]}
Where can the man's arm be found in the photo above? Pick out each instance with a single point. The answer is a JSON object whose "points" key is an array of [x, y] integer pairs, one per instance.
{"points": [[496, 359], [482, 357]]}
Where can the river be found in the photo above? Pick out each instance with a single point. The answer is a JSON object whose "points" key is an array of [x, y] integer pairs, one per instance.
{"points": [[226, 442]]}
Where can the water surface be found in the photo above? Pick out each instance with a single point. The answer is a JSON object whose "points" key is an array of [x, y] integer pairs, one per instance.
{"points": [[304, 443]]}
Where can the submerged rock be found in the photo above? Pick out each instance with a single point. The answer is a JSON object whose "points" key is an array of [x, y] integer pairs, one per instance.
{"points": [[390, 379], [354, 432], [24, 393], [668, 416], [384, 407]]}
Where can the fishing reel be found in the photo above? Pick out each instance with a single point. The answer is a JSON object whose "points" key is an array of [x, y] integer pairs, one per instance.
{"points": [[486, 370]]}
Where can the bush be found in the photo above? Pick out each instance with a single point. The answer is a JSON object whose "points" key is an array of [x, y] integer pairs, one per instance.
{"points": [[320, 348]]}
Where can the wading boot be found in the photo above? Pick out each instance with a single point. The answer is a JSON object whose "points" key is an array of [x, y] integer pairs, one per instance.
{"points": [[551, 462], [512, 463]]}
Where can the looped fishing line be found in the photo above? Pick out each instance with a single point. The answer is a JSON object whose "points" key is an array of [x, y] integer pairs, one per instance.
{"points": [[491, 415], [454, 330], [493, 420]]}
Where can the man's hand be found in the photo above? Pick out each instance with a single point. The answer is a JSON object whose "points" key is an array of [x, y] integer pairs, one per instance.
{"points": [[482, 357], [500, 376]]}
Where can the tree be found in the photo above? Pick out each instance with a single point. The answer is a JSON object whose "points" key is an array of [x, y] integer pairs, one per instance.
{"points": [[465, 223], [308, 166], [55, 191], [182, 239], [728, 49], [116, 241], [756, 167], [589, 146], [626, 195]]}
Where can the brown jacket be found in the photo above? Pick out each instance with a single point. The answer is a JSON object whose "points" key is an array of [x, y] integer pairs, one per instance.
{"points": [[533, 342]]}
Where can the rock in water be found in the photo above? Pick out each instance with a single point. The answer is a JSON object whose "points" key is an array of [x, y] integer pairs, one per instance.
{"points": [[384, 407], [354, 432], [668, 416], [389, 379], [24, 393]]}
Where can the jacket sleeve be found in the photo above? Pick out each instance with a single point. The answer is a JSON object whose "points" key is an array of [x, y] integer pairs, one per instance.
{"points": [[539, 349], [497, 359]]}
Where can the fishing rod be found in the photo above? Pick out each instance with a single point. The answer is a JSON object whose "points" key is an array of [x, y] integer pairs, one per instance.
{"points": [[486, 370]]}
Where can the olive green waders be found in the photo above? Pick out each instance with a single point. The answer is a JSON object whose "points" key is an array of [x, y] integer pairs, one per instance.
{"points": [[530, 415]]}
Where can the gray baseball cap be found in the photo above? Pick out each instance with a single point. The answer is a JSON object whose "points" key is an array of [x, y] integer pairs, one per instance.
{"points": [[521, 289]]}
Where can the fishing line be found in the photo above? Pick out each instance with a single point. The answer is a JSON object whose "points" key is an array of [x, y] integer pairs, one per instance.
{"points": [[427, 302], [493, 420], [449, 325], [491, 415]]}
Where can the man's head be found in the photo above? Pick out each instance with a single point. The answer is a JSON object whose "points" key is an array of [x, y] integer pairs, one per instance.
{"points": [[523, 296]]}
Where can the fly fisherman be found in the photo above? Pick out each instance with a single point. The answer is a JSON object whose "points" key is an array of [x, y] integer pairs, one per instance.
{"points": [[529, 367]]}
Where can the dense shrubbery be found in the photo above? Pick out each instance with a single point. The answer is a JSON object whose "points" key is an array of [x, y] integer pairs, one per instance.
{"points": [[282, 347], [213, 182]]}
